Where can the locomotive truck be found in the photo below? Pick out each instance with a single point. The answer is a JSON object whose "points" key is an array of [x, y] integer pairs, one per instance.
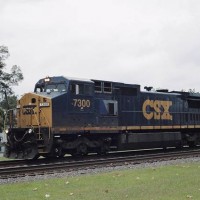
{"points": [[81, 116]]}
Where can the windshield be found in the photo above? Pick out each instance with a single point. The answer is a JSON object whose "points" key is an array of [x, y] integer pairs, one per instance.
{"points": [[56, 88], [52, 88]]}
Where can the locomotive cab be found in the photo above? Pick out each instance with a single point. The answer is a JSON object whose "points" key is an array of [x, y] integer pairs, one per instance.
{"points": [[44, 117]]}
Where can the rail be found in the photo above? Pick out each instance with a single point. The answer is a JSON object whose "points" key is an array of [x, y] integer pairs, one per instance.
{"points": [[42, 168]]}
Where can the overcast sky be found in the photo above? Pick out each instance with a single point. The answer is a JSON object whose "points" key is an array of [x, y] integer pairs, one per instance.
{"points": [[148, 42]]}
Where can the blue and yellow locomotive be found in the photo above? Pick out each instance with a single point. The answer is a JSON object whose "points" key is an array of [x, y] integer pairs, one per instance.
{"points": [[77, 116]]}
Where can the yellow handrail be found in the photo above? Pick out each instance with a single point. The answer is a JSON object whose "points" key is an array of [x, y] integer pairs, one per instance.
{"points": [[46, 121]]}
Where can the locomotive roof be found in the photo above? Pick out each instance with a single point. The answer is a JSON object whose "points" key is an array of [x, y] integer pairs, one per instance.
{"points": [[56, 79], [164, 93], [184, 95], [78, 79], [62, 79]]}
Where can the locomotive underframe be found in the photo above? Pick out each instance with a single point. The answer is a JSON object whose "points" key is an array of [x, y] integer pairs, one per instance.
{"points": [[32, 143]]}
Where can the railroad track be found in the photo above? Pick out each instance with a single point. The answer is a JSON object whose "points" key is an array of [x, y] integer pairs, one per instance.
{"points": [[43, 167]]}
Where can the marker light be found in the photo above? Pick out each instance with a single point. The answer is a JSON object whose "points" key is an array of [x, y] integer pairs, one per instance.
{"points": [[47, 79]]}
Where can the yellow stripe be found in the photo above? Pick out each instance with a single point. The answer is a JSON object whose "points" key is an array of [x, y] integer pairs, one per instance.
{"points": [[123, 128], [166, 127], [177, 127], [191, 126], [184, 126], [132, 128]]}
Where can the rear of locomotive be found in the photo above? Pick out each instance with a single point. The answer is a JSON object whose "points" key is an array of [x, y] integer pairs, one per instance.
{"points": [[32, 135]]}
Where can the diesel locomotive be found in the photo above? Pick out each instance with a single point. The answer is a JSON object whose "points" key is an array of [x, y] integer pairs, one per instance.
{"points": [[81, 116]]}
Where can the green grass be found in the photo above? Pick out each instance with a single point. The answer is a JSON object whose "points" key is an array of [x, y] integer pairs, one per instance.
{"points": [[171, 182], [3, 158]]}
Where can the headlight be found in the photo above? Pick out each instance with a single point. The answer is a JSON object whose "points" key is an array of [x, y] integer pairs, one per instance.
{"points": [[30, 131]]}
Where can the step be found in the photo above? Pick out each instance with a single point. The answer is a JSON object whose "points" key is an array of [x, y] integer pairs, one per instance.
{"points": [[40, 139], [41, 146], [43, 152]]}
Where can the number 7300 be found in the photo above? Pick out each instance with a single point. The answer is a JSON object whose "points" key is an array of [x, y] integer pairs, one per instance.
{"points": [[81, 103]]}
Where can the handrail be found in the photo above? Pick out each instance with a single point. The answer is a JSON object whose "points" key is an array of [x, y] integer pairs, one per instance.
{"points": [[5, 118], [35, 114], [47, 122]]}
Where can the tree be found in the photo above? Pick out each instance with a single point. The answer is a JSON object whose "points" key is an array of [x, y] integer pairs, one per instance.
{"points": [[12, 101], [7, 80]]}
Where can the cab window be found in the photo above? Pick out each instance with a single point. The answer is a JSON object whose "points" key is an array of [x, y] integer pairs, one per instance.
{"points": [[81, 89], [56, 88], [39, 89]]}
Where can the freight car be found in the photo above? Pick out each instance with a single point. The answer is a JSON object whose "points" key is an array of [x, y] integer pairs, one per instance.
{"points": [[77, 117]]}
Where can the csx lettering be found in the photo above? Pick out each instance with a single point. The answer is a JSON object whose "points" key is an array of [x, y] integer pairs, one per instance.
{"points": [[81, 103], [159, 110], [28, 111]]}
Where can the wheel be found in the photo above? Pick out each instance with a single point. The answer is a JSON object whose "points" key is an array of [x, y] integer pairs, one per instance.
{"points": [[36, 157], [59, 152], [73, 153], [192, 144], [103, 150], [82, 149], [179, 146]]}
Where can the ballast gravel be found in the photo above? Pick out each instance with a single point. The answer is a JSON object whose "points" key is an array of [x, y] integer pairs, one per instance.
{"points": [[98, 170]]}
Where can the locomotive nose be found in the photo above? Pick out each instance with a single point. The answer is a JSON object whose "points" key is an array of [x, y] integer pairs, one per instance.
{"points": [[33, 130], [34, 111]]}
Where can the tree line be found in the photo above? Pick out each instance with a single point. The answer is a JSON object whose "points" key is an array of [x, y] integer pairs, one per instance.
{"points": [[8, 99]]}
